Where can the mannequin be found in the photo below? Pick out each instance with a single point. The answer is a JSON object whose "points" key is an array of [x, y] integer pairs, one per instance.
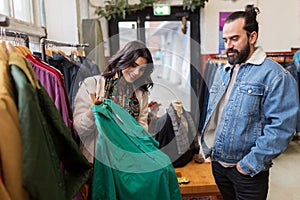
{"points": [[177, 105], [177, 135]]}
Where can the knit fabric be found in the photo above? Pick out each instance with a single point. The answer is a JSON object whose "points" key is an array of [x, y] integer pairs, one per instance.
{"points": [[180, 126]]}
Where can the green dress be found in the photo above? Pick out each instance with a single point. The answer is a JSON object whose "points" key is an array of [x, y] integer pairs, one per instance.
{"points": [[128, 164]]}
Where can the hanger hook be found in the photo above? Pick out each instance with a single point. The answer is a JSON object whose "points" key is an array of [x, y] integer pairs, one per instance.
{"points": [[1, 33], [4, 34], [18, 38], [83, 51]]}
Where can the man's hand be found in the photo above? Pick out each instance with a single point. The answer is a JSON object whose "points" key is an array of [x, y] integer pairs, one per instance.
{"points": [[238, 167]]}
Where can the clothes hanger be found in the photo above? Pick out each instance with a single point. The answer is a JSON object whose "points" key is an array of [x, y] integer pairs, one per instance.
{"points": [[62, 53], [22, 50], [281, 58], [83, 51], [75, 54], [11, 48], [25, 50], [3, 44], [26, 69], [2, 35], [49, 51]]}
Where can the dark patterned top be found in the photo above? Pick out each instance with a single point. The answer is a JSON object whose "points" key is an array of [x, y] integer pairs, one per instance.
{"points": [[122, 94]]}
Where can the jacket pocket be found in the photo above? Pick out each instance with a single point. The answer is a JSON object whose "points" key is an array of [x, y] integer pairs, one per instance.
{"points": [[251, 98]]}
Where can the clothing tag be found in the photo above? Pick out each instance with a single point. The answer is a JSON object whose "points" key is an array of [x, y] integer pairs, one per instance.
{"points": [[119, 118]]}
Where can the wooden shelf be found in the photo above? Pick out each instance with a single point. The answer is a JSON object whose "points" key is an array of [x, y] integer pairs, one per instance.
{"points": [[202, 182]]}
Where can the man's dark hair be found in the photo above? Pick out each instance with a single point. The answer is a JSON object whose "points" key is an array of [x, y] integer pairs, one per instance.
{"points": [[249, 15]]}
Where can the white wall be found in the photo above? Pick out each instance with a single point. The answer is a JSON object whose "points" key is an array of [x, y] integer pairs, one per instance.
{"points": [[61, 21], [279, 23]]}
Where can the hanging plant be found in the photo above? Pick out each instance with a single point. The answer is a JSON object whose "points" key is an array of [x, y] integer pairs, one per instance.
{"points": [[120, 8], [191, 5]]}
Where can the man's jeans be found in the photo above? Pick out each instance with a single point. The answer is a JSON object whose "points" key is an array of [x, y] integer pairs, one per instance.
{"points": [[235, 186]]}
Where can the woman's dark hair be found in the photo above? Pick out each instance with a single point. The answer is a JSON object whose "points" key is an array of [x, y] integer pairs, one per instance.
{"points": [[249, 15], [126, 57]]}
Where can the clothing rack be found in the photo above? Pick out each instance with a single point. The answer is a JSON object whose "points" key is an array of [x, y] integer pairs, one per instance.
{"points": [[5, 22], [17, 34], [279, 54], [281, 57], [220, 56], [45, 41]]}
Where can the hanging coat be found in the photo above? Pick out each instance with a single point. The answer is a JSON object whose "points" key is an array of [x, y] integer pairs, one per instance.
{"points": [[128, 163], [11, 186], [46, 141]]}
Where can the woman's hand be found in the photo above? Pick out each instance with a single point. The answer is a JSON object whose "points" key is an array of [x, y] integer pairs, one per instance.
{"points": [[96, 100]]}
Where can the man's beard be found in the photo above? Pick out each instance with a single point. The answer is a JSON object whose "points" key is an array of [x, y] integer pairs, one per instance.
{"points": [[240, 56]]}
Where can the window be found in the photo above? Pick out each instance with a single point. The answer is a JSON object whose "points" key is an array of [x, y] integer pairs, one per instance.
{"points": [[29, 11], [5, 7], [23, 10]]}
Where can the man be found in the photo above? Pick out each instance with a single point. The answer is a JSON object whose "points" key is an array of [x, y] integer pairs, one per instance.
{"points": [[251, 113]]}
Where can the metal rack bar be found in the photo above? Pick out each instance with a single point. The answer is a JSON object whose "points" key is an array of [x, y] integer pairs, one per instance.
{"points": [[4, 21], [279, 54], [17, 34], [45, 41], [19, 29]]}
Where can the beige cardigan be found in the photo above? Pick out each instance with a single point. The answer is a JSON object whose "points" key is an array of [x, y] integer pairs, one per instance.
{"points": [[86, 127]]}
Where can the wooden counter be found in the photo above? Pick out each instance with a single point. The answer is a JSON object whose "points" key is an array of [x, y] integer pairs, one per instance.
{"points": [[201, 183]]}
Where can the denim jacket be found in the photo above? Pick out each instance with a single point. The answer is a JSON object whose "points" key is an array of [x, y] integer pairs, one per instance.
{"points": [[259, 118]]}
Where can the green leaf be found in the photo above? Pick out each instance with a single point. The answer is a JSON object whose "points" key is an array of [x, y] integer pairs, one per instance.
{"points": [[122, 8]]}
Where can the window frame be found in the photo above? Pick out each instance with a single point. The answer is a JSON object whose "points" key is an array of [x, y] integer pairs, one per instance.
{"points": [[35, 27]]}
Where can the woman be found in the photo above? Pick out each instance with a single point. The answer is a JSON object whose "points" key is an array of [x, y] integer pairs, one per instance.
{"points": [[126, 80]]}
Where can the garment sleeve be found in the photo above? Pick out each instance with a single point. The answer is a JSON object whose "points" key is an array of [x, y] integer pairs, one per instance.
{"points": [[84, 125], [143, 100], [280, 124]]}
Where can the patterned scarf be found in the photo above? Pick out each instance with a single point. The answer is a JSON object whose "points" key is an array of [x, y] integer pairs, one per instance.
{"points": [[123, 95]]}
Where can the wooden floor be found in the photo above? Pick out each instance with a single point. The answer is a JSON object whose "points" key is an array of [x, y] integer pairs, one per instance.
{"points": [[201, 183]]}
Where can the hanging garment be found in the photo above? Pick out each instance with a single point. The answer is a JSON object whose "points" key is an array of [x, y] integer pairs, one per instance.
{"points": [[53, 81], [128, 163], [92, 35], [10, 143], [296, 59], [87, 68], [46, 140], [211, 66], [69, 70], [177, 137]]}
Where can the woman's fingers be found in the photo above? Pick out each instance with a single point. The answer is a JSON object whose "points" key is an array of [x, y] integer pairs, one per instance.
{"points": [[99, 100], [96, 99]]}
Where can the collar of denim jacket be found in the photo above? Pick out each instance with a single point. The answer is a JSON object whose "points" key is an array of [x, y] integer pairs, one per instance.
{"points": [[257, 58]]}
